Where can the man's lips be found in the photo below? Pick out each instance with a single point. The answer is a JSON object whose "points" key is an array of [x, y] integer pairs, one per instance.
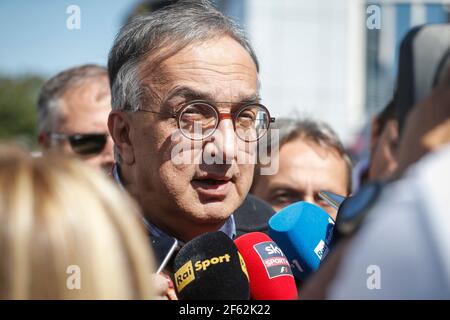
{"points": [[212, 186]]}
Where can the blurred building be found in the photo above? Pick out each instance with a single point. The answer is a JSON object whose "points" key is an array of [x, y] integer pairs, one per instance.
{"points": [[383, 45], [328, 59], [320, 57]]}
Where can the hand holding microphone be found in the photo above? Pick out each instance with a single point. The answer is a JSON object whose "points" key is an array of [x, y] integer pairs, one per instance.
{"points": [[164, 287]]}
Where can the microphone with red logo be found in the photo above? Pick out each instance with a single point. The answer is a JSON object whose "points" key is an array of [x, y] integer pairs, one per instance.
{"points": [[268, 268]]}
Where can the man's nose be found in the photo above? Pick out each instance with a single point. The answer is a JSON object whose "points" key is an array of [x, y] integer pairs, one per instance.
{"points": [[310, 198], [225, 139]]}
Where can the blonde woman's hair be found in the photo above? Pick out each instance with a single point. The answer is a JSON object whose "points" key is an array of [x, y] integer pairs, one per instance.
{"points": [[66, 232]]}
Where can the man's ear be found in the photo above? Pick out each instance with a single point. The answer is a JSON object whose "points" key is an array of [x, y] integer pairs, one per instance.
{"points": [[119, 129]]}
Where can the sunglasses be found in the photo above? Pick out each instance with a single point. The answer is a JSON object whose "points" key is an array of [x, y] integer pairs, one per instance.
{"points": [[84, 144]]}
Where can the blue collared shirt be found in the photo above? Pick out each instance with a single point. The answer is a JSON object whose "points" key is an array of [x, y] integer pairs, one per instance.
{"points": [[229, 227]]}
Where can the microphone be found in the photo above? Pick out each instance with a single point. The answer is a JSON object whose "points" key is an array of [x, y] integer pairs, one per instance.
{"points": [[304, 231], [268, 268], [210, 267]]}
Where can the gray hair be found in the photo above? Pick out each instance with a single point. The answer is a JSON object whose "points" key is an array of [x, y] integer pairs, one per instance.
{"points": [[54, 88], [157, 36], [307, 129]]}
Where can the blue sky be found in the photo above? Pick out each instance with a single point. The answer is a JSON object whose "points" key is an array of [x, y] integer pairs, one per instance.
{"points": [[34, 37]]}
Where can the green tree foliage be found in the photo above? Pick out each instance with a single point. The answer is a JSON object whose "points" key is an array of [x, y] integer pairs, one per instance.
{"points": [[18, 111]]}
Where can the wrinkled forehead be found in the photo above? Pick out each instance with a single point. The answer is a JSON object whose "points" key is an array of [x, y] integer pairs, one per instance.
{"points": [[87, 103], [220, 68]]}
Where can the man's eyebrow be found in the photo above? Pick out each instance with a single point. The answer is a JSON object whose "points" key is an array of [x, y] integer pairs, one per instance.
{"points": [[286, 188], [188, 93], [250, 98]]}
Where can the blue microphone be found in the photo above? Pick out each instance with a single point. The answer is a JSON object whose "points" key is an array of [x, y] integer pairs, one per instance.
{"points": [[304, 232]]}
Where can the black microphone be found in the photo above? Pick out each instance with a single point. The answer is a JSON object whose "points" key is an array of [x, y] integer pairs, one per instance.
{"points": [[252, 216], [209, 267]]}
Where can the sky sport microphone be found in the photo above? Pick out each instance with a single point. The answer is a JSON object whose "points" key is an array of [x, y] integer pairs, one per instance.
{"points": [[209, 268], [303, 231], [268, 268]]}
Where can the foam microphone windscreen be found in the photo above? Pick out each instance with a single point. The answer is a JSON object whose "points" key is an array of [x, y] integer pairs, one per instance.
{"points": [[304, 232], [209, 268], [268, 268]]}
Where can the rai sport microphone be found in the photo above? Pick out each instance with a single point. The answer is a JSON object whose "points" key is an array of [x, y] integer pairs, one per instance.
{"points": [[304, 232], [268, 268], [209, 267]]}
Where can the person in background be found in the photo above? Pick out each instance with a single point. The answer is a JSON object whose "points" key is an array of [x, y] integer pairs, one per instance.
{"points": [[405, 233], [383, 144], [380, 162], [64, 234], [45, 230], [73, 110], [310, 158]]}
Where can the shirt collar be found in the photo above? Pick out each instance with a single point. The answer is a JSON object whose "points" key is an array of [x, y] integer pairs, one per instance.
{"points": [[229, 227]]}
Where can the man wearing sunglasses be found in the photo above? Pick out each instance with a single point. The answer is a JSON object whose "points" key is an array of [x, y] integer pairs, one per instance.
{"points": [[73, 109], [186, 118]]}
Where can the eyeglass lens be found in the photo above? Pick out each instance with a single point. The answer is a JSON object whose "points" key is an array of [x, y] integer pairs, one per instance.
{"points": [[87, 144], [199, 120]]}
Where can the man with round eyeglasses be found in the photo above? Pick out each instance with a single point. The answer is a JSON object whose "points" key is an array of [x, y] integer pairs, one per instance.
{"points": [[73, 109], [184, 84]]}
